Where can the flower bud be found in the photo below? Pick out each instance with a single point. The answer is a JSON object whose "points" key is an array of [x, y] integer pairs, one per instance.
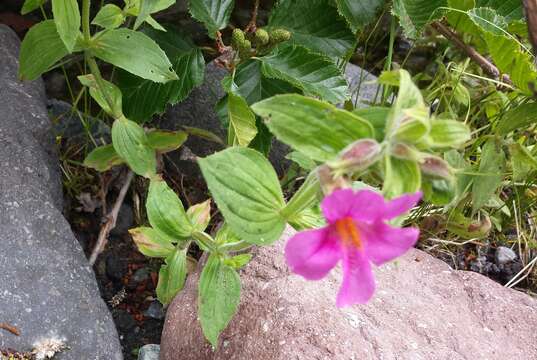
{"points": [[435, 166], [329, 181], [357, 157], [237, 38], [261, 37], [280, 35], [404, 152]]}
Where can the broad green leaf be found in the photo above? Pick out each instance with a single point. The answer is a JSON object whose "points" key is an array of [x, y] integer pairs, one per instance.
{"points": [[103, 158], [109, 17], [238, 261], [447, 133], [488, 20], [376, 116], [67, 19], [41, 48], [151, 243], [112, 90], [302, 160], [359, 13], [171, 277], [316, 129], [165, 211], [219, 292], [510, 9], [517, 118], [312, 73], [146, 7], [413, 126], [439, 191], [134, 52], [314, 24], [242, 129], [400, 177], [130, 142], [491, 168], [415, 14], [31, 5], [199, 215], [246, 189], [522, 161], [165, 141], [214, 14], [144, 98], [459, 20]]}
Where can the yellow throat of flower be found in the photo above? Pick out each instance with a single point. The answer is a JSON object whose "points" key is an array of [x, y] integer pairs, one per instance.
{"points": [[348, 232]]}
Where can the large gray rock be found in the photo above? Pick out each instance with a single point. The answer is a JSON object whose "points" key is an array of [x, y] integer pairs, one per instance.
{"points": [[47, 288], [422, 310]]}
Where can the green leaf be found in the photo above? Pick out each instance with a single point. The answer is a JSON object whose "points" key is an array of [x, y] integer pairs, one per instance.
{"points": [[522, 161], [312, 73], [316, 129], [31, 5], [41, 48], [238, 261], [447, 133], [103, 158], [171, 277], [517, 118], [488, 20], [400, 177], [414, 125], [438, 191], [151, 243], [219, 292], [199, 215], [242, 129], [67, 19], [165, 211], [109, 17], [491, 168], [409, 102], [359, 13], [165, 141], [130, 142], [134, 52], [510, 9], [314, 24], [112, 90], [415, 14], [214, 14], [302, 160], [144, 98], [376, 116], [246, 189]]}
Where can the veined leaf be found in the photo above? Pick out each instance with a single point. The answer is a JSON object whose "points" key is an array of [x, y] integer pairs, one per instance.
{"points": [[488, 20], [214, 14], [359, 13], [151, 243], [134, 52], [41, 48], [415, 14], [109, 17], [103, 158], [171, 277], [165, 141], [400, 177], [113, 93], [242, 129], [219, 292], [246, 189], [31, 5], [491, 168], [523, 162], [316, 129], [144, 98], [516, 118], [312, 73], [67, 19], [510, 9], [314, 24]]}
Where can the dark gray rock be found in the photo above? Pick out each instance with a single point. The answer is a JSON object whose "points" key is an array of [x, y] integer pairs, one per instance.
{"points": [[47, 288], [125, 220], [149, 352], [155, 311], [362, 86]]}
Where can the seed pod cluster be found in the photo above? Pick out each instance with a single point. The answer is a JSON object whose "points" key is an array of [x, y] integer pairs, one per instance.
{"points": [[261, 39]]}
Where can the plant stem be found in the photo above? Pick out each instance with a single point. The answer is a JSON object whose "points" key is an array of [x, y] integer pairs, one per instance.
{"points": [[252, 25], [86, 5], [303, 198]]}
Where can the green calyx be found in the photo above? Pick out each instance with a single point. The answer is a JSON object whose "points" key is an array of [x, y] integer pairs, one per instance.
{"points": [[279, 35]]}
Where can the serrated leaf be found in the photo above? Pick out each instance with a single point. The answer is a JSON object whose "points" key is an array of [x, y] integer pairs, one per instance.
{"points": [[171, 277], [103, 158], [510, 9], [314, 24], [144, 98], [488, 20], [31, 5], [491, 168], [316, 129], [523, 162], [112, 90], [219, 292], [165, 141], [165, 211], [312, 73], [242, 129], [134, 52], [41, 48], [130, 142], [214, 14], [151, 243], [246, 189], [517, 118], [67, 19], [359, 13], [400, 177], [415, 14], [109, 17]]}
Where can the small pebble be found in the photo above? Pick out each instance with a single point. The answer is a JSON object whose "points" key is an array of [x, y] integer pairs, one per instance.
{"points": [[155, 311], [504, 255], [149, 352]]}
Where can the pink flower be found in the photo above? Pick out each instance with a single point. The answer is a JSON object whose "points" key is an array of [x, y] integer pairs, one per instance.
{"points": [[357, 233]]}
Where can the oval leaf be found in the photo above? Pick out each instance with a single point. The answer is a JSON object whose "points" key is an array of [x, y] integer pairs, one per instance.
{"points": [[103, 158], [171, 277], [214, 14], [67, 19], [151, 243]]}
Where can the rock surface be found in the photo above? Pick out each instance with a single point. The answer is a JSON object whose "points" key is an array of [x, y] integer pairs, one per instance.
{"points": [[422, 310], [149, 352], [47, 289]]}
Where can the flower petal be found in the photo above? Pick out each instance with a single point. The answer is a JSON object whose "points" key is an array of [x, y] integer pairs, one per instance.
{"points": [[368, 205], [312, 253], [338, 205], [401, 205], [384, 242], [358, 283]]}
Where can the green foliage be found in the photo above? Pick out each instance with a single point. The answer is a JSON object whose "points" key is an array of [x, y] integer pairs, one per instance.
{"points": [[415, 14], [165, 141], [400, 176], [242, 129], [109, 17], [152, 243], [517, 118], [523, 162], [214, 14], [172, 276], [359, 13], [111, 90], [67, 19], [103, 158], [31, 5]]}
